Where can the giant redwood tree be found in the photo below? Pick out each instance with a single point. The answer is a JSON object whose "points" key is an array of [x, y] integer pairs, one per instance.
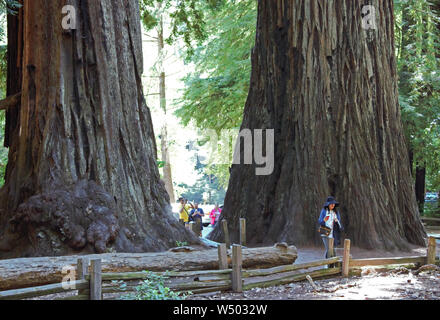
{"points": [[327, 85], [82, 173]]}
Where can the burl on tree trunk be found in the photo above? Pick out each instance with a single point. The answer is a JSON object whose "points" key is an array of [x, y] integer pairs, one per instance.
{"points": [[82, 174], [328, 88]]}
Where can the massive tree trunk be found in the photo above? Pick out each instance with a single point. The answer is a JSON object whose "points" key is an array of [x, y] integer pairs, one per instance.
{"points": [[82, 173], [328, 88]]}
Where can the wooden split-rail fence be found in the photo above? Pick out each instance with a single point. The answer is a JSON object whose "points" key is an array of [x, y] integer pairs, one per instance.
{"points": [[92, 284]]}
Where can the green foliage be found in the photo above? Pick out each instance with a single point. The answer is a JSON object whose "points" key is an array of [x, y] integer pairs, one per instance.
{"points": [[152, 288], [418, 44], [9, 6], [215, 93], [208, 184], [187, 17], [195, 192], [181, 244], [160, 164], [432, 209]]}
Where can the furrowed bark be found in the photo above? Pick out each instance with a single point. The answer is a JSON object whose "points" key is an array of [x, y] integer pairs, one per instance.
{"points": [[82, 173]]}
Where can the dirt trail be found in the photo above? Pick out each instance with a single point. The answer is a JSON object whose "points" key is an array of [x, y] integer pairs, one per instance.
{"points": [[307, 254], [393, 285], [371, 285]]}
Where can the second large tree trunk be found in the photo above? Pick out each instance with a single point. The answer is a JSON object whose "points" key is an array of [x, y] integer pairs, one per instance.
{"points": [[328, 87], [82, 173]]}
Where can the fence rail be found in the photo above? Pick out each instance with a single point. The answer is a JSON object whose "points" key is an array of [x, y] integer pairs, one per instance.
{"points": [[429, 219], [387, 261], [35, 292], [286, 279]]}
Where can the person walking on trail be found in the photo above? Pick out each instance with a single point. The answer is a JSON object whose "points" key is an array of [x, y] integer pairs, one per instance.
{"points": [[184, 210], [331, 219], [215, 214], [197, 214]]}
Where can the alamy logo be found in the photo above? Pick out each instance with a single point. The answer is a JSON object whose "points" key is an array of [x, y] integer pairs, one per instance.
{"points": [[368, 17], [251, 146], [68, 282], [69, 20]]}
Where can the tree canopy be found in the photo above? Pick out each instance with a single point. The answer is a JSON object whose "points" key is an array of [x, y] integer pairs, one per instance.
{"points": [[418, 46], [215, 93]]}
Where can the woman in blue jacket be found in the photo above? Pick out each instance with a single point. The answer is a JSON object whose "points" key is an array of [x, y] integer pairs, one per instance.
{"points": [[331, 218]]}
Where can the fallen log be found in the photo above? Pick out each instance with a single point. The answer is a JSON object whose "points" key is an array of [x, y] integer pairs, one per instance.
{"points": [[28, 272]]}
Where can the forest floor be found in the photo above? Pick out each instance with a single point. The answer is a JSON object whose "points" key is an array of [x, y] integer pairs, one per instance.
{"points": [[373, 284], [400, 284]]}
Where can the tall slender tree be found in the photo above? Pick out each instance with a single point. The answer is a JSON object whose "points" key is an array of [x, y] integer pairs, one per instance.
{"points": [[324, 78], [167, 176], [82, 173]]}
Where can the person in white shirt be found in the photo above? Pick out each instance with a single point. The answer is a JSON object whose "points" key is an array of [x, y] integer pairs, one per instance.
{"points": [[331, 219]]}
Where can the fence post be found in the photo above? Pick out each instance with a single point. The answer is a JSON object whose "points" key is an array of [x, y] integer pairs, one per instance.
{"points": [[243, 231], [82, 269], [96, 280], [193, 226], [198, 227], [331, 250], [331, 247], [431, 251], [222, 257], [346, 258], [226, 233], [237, 282]]}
